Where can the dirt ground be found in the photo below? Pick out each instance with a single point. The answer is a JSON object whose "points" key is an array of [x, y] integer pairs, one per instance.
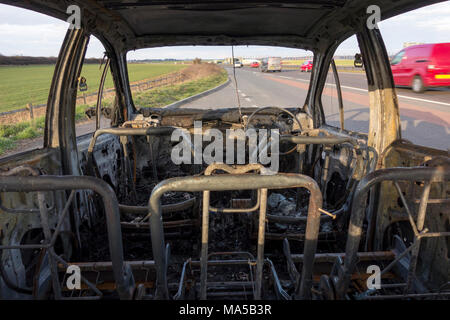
{"points": [[198, 71]]}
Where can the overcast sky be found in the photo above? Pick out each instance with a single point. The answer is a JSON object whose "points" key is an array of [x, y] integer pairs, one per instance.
{"points": [[27, 33]]}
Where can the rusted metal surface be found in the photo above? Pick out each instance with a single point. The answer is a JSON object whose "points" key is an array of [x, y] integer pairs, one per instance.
{"points": [[62, 155], [49, 183], [130, 132], [228, 182], [362, 256], [167, 208], [438, 174]]}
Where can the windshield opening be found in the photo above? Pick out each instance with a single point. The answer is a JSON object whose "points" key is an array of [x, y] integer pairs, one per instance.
{"points": [[215, 77]]}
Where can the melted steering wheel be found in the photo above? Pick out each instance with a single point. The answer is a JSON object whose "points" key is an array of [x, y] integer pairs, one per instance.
{"points": [[281, 109]]}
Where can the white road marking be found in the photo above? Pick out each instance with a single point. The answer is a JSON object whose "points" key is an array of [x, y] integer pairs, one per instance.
{"points": [[399, 95], [254, 106], [248, 99], [424, 100], [404, 124], [417, 122]]}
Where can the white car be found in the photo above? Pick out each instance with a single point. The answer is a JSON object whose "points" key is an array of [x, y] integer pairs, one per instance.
{"points": [[238, 64]]}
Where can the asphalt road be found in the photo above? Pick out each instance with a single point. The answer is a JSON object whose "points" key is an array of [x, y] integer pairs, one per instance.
{"points": [[425, 118]]}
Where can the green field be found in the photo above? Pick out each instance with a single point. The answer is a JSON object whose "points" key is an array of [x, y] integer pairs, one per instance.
{"points": [[11, 133], [20, 85], [161, 97]]}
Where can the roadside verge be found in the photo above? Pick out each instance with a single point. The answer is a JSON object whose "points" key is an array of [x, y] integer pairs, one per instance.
{"points": [[197, 96]]}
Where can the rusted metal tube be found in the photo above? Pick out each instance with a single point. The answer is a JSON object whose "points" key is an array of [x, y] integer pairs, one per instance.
{"points": [[362, 256], [122, 274], [205, 239], [232, 182], [107, 265], [98, 107], [236, 170], [261, 238], [237, 210], [261, 203], [167, 224], [166, 208], [423, 206], [328, 140], [417, 240], [339, 93], [151, 131], [437, 174]]}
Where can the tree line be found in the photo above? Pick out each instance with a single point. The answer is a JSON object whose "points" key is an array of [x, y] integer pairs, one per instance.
{"points": [[23, 60]]}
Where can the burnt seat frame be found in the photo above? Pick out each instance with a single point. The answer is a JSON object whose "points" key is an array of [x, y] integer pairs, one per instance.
{"points": [[228, 183], [126, 132], [122, 272], [429, 175], [360, 152]]}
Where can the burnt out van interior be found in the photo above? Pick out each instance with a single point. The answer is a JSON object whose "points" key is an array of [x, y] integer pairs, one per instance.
{"points": [[114, 205]]}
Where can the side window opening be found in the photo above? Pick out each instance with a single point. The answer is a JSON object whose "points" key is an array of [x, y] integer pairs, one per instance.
{"points": [[354, 90], [27, 64], [89, 89]]}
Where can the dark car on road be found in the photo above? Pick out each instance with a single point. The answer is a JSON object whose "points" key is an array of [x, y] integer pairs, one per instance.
{"points": [[422, 66]]}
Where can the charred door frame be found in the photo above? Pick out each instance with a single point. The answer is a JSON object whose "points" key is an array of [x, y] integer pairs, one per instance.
{"points": [[384, 120], [60, 117], [60, 126]]}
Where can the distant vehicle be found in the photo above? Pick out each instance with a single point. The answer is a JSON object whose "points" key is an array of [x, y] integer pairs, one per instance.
{"points": [[254, 65], [422, 66], [306, 66], [358, 62], [270, 64], [238, 63]]}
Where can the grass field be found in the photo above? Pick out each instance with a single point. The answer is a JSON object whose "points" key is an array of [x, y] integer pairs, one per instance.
{"points": [[20, 85], [11, 133], [167, 95]]}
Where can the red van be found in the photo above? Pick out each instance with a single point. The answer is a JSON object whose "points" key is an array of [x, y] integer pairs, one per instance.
{"points": [[422, 66]]}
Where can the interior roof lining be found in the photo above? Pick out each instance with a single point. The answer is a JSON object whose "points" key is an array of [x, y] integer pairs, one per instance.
{"points": [[109, 24]]}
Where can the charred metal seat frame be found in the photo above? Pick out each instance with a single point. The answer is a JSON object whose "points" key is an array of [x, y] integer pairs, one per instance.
{"points": [[125, 132], [279, 291], [427, 174], [122, 272], [260, 204], [227, 183], [327, 140]]}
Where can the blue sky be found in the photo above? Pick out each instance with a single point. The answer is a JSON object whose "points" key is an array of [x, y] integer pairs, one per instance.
{"points": [[24, 32]]}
